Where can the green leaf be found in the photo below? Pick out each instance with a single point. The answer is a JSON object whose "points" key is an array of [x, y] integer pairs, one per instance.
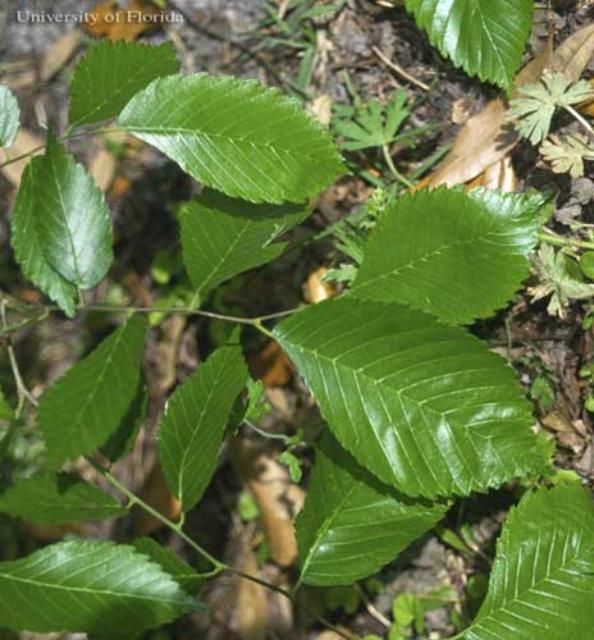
{"points": [[542, 580], [110, 73], [346, 507], [86, 405], [222, 237], [457, 255], [193, 427], [235, 136], [122, 440], [61, 229], [56, 499], [484, 37], [107, 590], [534, 107], [180, 571], [9, 116], [425, 407]]}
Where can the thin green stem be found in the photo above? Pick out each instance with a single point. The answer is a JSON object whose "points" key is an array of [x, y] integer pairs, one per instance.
{"points": [[392, 167], [550, 237], [218, 565], [67, 136], [133, 500]]}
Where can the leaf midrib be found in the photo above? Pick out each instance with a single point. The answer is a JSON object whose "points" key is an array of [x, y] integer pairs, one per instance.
{"points": [[324, 529], [521, 596], [235, 141], [95, 592]]}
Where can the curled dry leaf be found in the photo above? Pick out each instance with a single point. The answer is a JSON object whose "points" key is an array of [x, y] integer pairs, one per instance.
{"points": [[278, 499], [271, 366], [316, 289]]}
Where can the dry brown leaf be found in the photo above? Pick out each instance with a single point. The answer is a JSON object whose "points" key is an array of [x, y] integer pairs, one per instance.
{"points": [[102, 168], [156, 494], [574, 54], [485, 139], [278, 499], [56, 56], [321, 109], [557, 422], [252, 605], [24, 143], [500, 175], [316, 289], [271, 366], [480, 143], [113, 21]]}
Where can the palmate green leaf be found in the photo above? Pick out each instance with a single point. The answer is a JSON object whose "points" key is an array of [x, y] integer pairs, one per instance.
{"points": [[459, 256], [180, 571], [109, 591], [86, 405], [222, 237], [346, 507], [61, 229], [110, 73], [235, 136], [193, 427], [9, 116], [426, 408], [484, 37], [542, 581], [533, 109], [56, 499]]}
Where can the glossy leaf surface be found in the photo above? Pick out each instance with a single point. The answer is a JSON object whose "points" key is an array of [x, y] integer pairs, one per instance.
{"points": [[351, 524], [425, 407], [542, 581], [457, 255], [107, 590], [222, 237], [235, 136], [110, 73], [485, 37]]}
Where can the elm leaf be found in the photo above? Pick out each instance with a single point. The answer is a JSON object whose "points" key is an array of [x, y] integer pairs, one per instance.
{"points": [[459, 256], [87, 404], [106, 590], [193, 427], [178, 569], [542, 580], [61, 229], [9, 116], [347, 507], [235, 136], [425, 407], [110, 73], [222, 237], [485, 37], [57, 499]]}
